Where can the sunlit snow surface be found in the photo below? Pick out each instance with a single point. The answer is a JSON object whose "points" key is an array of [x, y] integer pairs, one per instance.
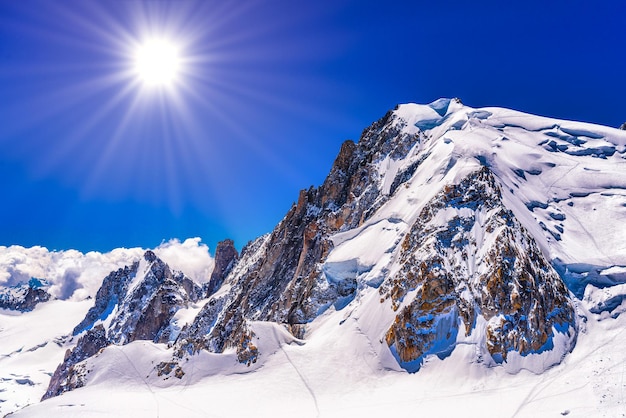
{"points": [[337, 373], [31, 347], [564, 181]]}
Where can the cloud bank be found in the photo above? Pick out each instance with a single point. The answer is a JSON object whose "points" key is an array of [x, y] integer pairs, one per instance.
{"points": [[74, 275]]}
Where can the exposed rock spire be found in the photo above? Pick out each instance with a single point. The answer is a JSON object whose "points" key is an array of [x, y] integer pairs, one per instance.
{"points": [[226, 256]]}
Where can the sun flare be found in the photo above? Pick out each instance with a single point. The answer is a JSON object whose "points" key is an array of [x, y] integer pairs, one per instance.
{"points": [[157, 62]]}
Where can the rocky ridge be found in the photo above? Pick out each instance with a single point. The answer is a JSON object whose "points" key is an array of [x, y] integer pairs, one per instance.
{"points": [[25, 296], [280, 276], [226, 257]]}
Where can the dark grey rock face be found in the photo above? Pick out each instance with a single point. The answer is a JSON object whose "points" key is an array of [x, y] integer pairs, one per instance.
{"points": [[138, 303], [24, 297], [111, 293], [226, 257], [140, 307], [69, 375]]}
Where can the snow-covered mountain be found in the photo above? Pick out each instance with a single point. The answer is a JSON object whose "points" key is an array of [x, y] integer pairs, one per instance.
{"points": [[451, 252], [24, 297]]}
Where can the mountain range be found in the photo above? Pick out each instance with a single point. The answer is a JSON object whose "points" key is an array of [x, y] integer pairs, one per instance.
{"points": [[455, 261]]}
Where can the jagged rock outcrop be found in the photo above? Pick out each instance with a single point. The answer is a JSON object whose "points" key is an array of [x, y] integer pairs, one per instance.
{"points": [[141, 307], [469, 257], [70, 375], [25, 296], [109, 295], [623, 126], [150, 302], [226, 256]]}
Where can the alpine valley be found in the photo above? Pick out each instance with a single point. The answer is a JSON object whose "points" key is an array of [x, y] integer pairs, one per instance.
{"points": [[455, 262]]}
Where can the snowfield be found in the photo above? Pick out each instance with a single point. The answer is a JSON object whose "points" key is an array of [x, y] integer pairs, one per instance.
{"points": [[564, 181], [31, 346], [335, 373]]}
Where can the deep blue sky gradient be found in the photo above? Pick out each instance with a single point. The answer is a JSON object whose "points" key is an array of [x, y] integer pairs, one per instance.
{"points": [[271, 90]]}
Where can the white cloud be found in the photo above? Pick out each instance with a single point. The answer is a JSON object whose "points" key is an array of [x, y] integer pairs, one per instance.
{"points": [[74, 275], [191, 257], [18, 264]]}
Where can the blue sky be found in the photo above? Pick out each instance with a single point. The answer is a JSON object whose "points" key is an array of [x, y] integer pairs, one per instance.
{"points": [[270, 89]]}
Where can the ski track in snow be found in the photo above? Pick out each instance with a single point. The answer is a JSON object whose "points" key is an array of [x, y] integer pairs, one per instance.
{"points": [[140, 377], [303, 380]]}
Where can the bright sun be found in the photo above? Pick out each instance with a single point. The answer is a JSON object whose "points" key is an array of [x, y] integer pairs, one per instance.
{"points": [[157, 62]]}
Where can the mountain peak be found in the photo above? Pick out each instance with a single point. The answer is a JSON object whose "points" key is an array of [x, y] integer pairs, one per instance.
{"points": [[137, 302], [25, 296], [150, 256]]}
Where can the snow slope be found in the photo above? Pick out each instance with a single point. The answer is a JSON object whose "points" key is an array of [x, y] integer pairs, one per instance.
{"points": [[336, 373], [31, 346]]}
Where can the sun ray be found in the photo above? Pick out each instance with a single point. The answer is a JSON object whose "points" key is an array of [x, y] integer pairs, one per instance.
{"points": [[67, 148]]}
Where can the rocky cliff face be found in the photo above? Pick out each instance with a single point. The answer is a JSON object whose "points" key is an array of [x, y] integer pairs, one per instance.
{"points": [[151, 300], [468, 257], [24, 297], [136, 302], [70, 374], [112, 291], [226, 257]]}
